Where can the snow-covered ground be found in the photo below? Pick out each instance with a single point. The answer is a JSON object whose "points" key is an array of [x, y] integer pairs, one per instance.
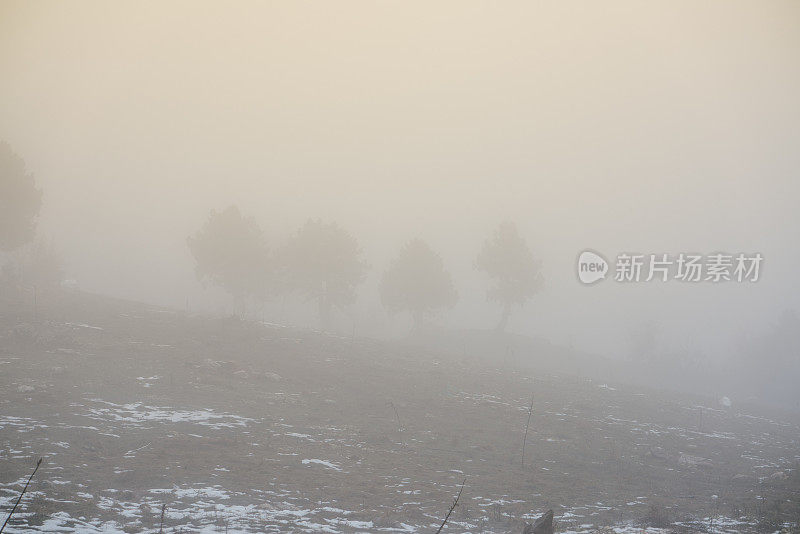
{"points": [[309, 433]]}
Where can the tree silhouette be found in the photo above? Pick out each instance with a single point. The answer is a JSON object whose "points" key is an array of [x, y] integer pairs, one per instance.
{"points": [[20, 200], [230, 252], [417, 282], [41, 265], [324, 262], [514, 273]]}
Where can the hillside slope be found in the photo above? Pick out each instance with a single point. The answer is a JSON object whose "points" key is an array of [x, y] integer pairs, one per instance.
{"points": [[241, 426]]}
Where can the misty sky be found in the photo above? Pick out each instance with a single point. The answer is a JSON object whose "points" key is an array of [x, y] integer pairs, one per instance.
{"points": [[625, 126]]}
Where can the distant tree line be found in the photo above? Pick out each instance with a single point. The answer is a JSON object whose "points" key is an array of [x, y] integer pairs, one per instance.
{"points": [[324, 263], [321, 261], [32, 260]]}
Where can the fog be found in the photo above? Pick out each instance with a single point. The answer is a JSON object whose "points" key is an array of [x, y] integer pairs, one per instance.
{"points": [[619, 128], [616, 127], [625, 127]]}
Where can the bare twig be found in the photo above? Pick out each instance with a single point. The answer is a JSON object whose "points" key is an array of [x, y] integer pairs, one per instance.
{"points": [[14, 509], [455, 503], [397, 416], [525, 440], [161, 528], [399, 424], [137, 450]]}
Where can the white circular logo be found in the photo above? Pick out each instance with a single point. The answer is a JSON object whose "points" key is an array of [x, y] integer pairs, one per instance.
{"points": [[591, 267]]}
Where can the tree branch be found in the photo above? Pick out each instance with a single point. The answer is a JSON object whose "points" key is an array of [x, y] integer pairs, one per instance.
{"points": [[525, 440], [455, 503], [14, 509]]}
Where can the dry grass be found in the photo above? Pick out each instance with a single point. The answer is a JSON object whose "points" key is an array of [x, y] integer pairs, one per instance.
{"points": [[461, 416]]}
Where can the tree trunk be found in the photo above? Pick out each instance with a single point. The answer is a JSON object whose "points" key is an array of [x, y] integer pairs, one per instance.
{"points": [[418, 320], [324, 312], [501, 325]]}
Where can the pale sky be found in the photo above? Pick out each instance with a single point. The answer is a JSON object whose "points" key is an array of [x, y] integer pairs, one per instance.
{"points": [[659, 127]]}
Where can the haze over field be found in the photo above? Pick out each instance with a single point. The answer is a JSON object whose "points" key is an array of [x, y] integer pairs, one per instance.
{"points": [[371, 267], [658, 128]]}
